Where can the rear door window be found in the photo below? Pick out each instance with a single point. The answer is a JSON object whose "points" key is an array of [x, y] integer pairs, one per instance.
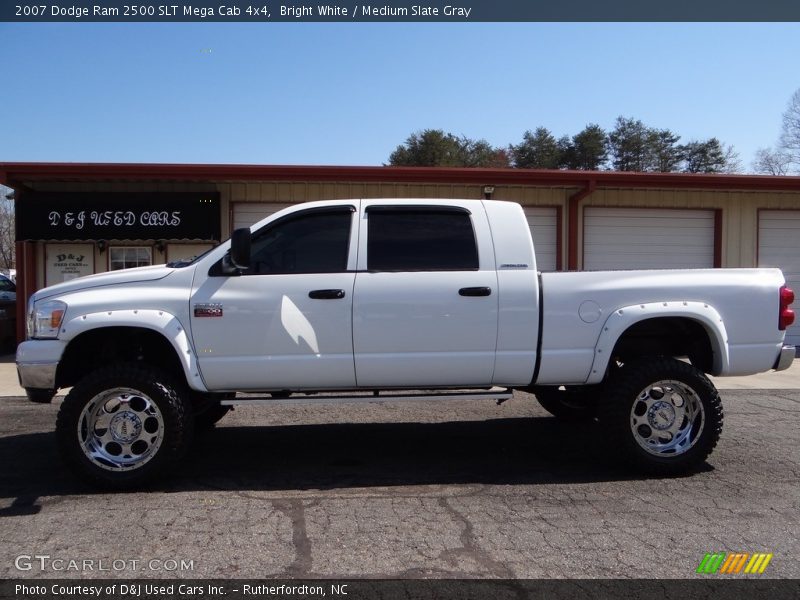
{"points": [[420, 239]]}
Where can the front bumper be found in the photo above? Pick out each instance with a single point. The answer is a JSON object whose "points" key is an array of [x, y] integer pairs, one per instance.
{"points": [[37, 363], [785, 358], [37, 375]]}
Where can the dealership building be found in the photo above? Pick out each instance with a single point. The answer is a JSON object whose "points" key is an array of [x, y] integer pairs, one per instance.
{"points": [[75, 219]]}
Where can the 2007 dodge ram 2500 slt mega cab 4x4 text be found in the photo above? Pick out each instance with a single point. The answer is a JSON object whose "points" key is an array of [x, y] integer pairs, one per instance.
{"points": [[396, 299]]}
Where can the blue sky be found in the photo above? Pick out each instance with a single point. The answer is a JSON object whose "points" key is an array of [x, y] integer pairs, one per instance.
{"points": [[304, 93]]}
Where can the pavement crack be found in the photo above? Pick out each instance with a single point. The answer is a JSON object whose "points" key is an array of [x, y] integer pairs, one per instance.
{"points": [[295, 511], [470, 547], [773, 407]]}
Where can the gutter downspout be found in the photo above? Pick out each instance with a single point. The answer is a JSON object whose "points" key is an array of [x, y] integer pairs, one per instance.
{"points": [[572, 222]]}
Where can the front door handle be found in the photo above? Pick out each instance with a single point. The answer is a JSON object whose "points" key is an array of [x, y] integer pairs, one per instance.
{"points": [[326, 294], [475, 291]]}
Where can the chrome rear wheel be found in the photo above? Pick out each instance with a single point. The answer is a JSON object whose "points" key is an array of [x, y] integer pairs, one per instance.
{"points": [[664, 415], [667, 418]]}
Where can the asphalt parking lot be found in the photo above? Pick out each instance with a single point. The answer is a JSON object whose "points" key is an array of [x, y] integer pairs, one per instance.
{"points": [[455, 489]]}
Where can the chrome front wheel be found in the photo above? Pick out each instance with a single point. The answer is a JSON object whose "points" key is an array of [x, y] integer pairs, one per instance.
{"points": [[121, 429], [124, 424]]}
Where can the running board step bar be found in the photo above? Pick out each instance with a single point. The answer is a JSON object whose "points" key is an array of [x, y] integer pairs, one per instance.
{"points": [[496, 393]]}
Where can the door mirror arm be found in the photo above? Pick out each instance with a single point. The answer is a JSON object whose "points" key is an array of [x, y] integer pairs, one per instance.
{"points": [[227, 267]]}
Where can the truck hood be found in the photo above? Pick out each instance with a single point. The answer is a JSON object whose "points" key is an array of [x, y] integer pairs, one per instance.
{"points": [[102, 279]]}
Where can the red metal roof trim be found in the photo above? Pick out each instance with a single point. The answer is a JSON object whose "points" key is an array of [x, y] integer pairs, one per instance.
{"points": [[21, 172]]}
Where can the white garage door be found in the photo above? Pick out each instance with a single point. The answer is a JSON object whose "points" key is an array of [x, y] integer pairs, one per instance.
{"points": [[247, 213], [779, 246], [543, 223], [647, 238]]}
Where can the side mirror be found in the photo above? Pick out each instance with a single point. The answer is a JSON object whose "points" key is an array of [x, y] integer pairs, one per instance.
{"points": [[238, 257]]}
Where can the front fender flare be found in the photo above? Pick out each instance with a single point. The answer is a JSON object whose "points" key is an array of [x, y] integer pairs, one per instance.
{"points": [[160, 321], [623, 318]]}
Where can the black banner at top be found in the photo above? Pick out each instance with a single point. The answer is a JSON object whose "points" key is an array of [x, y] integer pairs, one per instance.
{"points": [[263, 11], [118, 216]]}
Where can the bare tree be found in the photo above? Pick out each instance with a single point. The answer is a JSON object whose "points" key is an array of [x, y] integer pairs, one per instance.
{"points": [[769, 161], [790, 133], [733, 162], [7, 237]]}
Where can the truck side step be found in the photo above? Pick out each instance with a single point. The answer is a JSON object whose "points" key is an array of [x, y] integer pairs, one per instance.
{"points": [[496, 393]]}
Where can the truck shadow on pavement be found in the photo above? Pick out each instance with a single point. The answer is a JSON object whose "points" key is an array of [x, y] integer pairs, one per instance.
{"points": [[508, 451]]}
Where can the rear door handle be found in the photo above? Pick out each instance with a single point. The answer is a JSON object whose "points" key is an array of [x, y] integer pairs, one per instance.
{"points": [[475, 291], [326, 294]]}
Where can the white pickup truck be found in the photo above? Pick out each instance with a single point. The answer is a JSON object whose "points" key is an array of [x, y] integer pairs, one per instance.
{"points": [[358, 300]]}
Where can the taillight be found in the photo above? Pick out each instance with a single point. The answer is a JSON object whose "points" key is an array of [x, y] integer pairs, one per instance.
{"points": [[786, 314]]}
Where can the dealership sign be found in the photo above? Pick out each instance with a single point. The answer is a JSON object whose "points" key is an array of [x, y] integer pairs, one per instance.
{"points": [[107, 216], [65, 262]]}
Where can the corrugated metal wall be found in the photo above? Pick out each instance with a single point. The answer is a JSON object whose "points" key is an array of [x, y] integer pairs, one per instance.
{"points": [[739, 209]]}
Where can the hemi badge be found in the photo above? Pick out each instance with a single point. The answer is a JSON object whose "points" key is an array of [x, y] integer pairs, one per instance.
{"points": [[208, 310]]}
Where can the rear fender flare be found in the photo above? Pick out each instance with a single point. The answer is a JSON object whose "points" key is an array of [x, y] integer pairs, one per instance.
{"points": [[623, 318]]}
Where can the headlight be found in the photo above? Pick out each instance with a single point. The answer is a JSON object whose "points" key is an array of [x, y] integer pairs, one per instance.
{"points": [[44, 321]]}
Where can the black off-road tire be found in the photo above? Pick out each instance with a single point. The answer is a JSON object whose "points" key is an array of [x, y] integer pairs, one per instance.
{"points": [[143, 385], [662, 384], [570, 404]]}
